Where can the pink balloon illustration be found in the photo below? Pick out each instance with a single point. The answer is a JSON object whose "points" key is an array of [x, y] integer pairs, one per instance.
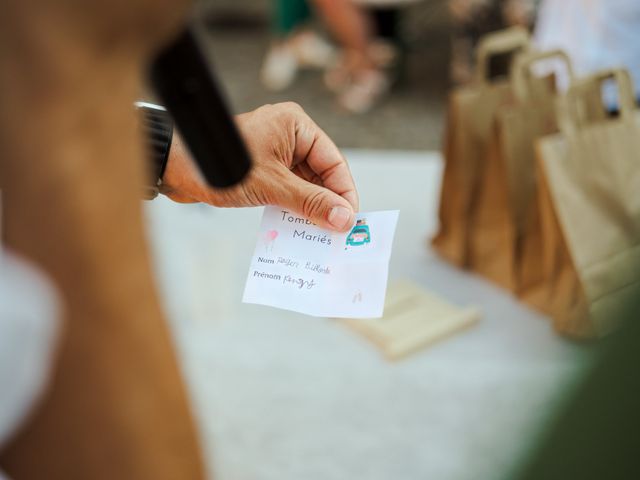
{"points": [[270, 237]]}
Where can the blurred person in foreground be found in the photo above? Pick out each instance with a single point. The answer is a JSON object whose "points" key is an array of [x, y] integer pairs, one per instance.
{"points": [[72, 167]]}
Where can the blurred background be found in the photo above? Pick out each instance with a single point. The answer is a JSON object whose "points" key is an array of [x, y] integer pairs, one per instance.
{"points": [[248, 39]]}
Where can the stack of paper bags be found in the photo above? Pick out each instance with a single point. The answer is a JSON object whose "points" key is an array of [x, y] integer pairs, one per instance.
{"points": [[590, 209], [556, 224], [470, 116], [504, 235]]}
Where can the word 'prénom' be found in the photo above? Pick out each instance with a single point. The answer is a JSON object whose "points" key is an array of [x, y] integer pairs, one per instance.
{"points": [[270, 276]]}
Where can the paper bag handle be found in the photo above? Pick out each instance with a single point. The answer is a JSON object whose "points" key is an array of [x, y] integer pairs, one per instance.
{"points": [[573, 112], [504, 41], [522, 76]]}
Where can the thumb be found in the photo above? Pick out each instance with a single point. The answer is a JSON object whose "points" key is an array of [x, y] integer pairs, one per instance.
{"points": [[322, 206]]}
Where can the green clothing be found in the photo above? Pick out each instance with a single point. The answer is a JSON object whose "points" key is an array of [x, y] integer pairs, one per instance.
{"points": [[290, 14], [597, 433]]}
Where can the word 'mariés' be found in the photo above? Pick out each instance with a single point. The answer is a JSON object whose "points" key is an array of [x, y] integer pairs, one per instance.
{"points": [[303, 235]]}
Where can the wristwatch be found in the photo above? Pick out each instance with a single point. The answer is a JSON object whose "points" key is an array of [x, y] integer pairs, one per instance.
{"points": [[158, 129]]}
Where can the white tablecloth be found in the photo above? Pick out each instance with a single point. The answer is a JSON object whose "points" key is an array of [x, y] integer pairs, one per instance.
{"points": [[281, 396]]}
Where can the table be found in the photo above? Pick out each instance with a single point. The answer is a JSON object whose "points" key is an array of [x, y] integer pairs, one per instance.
{"points": [[280, 396]]}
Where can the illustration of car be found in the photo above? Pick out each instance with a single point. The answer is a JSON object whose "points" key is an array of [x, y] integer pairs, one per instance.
{"points": [[359, 234]]}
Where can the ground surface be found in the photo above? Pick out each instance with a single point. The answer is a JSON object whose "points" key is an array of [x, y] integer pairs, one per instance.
{"points": [[283, 396]]}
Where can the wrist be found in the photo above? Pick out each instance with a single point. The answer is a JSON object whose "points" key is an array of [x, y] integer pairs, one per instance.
{"points": [[182, 181]]}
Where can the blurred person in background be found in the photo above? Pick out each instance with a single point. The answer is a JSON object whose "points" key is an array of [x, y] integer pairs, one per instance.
{"points": [[472, 19], [357, 76], [295, 45], [596, 34], [359, 79]]}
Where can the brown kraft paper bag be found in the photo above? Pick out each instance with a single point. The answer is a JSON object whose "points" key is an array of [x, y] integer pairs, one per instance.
{"points": [[504, 239], [590, 209], [471, 112]]}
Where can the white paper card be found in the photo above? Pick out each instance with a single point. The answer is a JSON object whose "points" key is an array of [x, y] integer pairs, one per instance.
{"points": [[301, 267]]}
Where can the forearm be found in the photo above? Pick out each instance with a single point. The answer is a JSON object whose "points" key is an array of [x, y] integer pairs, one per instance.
{"points": [[72, 166]]}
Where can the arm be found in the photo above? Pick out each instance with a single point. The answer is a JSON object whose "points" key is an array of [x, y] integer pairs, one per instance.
{"points": [[295, 165], [116, 407]]}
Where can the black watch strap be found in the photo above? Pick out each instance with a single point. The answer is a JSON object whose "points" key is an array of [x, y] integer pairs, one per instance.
{"points": [[158, 129]]}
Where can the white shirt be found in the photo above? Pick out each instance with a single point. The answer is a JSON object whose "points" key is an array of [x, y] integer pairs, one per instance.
{"points": [[29, 317], [596, 34]]}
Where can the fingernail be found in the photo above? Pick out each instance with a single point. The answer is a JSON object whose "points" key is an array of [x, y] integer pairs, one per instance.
{"points": [[339, 217]]}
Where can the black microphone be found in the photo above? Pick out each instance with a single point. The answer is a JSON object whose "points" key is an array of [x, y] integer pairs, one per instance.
{"points": [[185, 82]]}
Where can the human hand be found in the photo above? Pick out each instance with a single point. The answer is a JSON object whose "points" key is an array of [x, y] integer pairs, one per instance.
{"points": [[295, 166]]}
